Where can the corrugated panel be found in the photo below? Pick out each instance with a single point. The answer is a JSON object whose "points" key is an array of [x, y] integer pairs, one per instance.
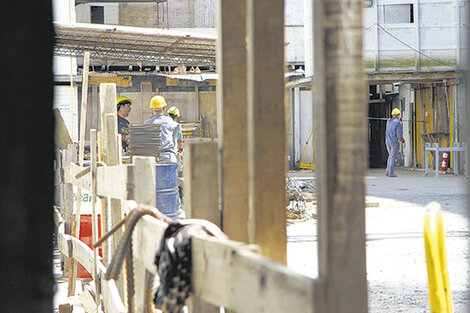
{"points": [[136, 44], [204, 13]]}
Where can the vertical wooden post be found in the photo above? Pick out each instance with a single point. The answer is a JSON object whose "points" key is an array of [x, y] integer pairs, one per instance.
{"points": [[340, 139], [111, 147], [198, 105], [201, 196], [143, 186], [266, 127], [232, 117], [94, 221], [86, 66], [108, 106], [96, 109]]}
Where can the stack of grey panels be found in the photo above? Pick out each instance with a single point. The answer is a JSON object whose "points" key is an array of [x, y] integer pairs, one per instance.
{"points": [[145, 139]]}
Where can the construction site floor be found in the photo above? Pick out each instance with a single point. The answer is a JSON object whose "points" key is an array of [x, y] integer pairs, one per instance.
{"points": [[396, 265]]}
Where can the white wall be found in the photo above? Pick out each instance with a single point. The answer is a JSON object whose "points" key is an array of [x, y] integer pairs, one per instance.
{"points": [[65, 97], [111, 12], [301, 125], [432, 40]]}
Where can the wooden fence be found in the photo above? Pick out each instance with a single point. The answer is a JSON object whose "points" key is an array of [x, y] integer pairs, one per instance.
{"points": [[225, 273]]}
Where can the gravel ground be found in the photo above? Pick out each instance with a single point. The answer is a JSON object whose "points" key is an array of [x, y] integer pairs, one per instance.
{"points": [[396, 265]]}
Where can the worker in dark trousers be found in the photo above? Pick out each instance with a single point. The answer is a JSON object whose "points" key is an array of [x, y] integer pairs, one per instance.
{"points": [[169, 129], [393, 138], [174, 113], [123, 111]]}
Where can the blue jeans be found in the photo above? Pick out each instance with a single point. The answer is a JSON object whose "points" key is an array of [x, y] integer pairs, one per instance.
{"points": [[392, 156]]}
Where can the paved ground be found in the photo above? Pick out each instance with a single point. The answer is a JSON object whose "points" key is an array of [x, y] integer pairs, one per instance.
{"points": [[396, 268]]}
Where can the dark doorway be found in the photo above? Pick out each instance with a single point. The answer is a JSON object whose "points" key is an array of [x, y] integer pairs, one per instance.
{"points": [[97, 15], [378, 112]]}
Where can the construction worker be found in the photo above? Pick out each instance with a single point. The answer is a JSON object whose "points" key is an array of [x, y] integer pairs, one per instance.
{"points": [[393, 138], [169, 129], [123, 111], [174, 113]]}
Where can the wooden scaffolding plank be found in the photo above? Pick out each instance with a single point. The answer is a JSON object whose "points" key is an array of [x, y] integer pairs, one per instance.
{"points": [[232, 117], [86, 66], [340, 137], [266, 127], [201, 196], [240, 280]]}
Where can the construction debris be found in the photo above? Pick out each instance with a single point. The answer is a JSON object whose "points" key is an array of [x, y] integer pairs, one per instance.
{"points": [[299, 192]]}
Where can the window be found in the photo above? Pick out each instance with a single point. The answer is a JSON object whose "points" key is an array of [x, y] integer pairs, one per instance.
{"points": [[398, 13], [97, 14]]}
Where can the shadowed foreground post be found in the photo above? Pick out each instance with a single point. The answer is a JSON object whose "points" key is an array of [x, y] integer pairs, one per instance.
{"points": [[27, 145], [340, 137]]}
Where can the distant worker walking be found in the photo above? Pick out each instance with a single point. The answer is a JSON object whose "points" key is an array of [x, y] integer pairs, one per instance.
{"points": [[169, 130], [175, 114], [123, 111], [393, 138]]}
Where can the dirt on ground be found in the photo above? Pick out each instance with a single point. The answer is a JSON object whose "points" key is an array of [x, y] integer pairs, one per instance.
{"points": [[396, 263]]}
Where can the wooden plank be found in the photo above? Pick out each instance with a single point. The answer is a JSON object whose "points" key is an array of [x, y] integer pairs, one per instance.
{"points": [[86, 66], [340, 137], [120, 81], [62, 136], [142, 184], [143, 181], [148, 233], [108, 106], [201, 196], [413, 77], [72, 247], [228, 275], [112, 141], [81, 253], [86, 298], [95, 108], [111, 296], [111, 180], [266, 127], [64, 244], [232, 116], [94, 215]]}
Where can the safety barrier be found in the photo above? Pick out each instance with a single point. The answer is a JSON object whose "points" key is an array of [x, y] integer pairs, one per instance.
{"points": [[440, 294]]}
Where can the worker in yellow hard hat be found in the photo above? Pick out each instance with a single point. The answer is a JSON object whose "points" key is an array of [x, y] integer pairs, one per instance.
{"points": [[174, 113], [393, 138], [169, 129], [123, 111]]}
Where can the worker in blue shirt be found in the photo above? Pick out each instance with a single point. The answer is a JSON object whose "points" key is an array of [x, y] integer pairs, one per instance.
{"points": [[393, 138]]}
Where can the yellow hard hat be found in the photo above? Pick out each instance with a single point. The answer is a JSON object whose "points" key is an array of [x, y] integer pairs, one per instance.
{"points": [[396, 112], [157, 102], [174, 110], [123, 99]]}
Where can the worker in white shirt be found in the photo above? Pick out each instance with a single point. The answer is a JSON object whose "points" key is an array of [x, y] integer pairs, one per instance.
{"points": [[169, 129]]}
